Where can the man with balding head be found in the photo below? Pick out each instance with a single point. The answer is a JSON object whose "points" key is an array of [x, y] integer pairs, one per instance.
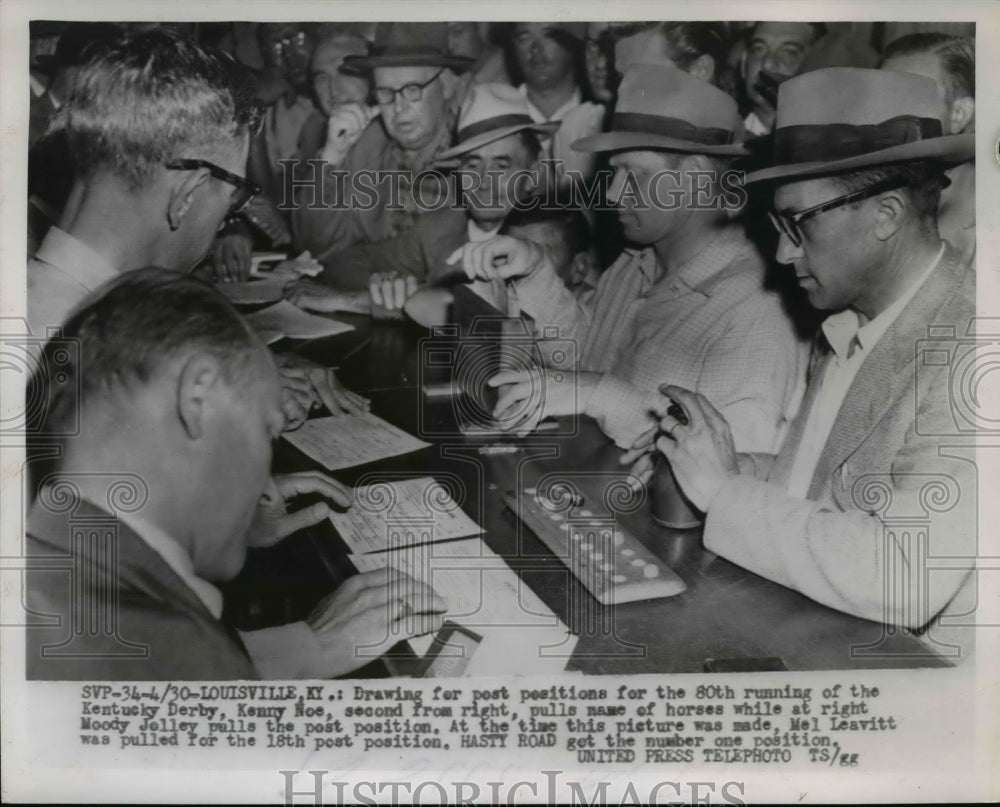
{"points": [[174, 404]]}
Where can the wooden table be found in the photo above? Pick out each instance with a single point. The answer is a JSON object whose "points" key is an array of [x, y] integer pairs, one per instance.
{"points": [[726, 612]]}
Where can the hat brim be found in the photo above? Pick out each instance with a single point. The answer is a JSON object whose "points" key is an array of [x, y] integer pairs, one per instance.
{"points": [[543, 129], [630, 141], [353, 65], [948, 150]]}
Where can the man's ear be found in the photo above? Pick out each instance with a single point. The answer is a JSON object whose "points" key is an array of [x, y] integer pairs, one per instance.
{"points": [[197, 385], [580, 266], [889, 214], [182, 194], [963, 114], [703, 67]]}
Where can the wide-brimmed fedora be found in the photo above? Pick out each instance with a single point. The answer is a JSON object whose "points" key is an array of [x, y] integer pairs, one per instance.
{"points": [[662, 107], [407, 44], [846, 118], [491, 112]]}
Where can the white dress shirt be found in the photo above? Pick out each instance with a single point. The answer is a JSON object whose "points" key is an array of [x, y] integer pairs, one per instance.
{"points": [[851, 343]]}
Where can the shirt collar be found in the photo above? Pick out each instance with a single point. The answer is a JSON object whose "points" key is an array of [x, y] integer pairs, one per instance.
{"points": [[539, 117], [177, 558], [702, 271], [842, 328], [64, 251]]}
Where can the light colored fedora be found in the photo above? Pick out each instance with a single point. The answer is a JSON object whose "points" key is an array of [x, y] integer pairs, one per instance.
{"points": [[847, 118], [491, 112], [407, 44], [662, 107]]}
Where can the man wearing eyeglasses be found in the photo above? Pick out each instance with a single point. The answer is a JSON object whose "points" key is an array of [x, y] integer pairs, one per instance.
{"points": [[872, 482], [415, 90]]}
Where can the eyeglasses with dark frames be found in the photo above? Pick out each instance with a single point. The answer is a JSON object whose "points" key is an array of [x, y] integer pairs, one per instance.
{"points": [[245, 189], [411, 92], [788, 223]]}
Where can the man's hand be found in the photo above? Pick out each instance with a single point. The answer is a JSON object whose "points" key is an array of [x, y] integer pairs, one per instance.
{"points": [[343, 129], [272, 521], [231, 254], [312, 295], [501, 257], [701, 453], [529, 396], [369, 613], [389, 292], [641, 457], [305, 385]]}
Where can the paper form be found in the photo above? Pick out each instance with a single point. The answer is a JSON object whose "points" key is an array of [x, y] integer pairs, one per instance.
{"points": [[393, 514], [520, 633], [287, 320], [349, 440]]}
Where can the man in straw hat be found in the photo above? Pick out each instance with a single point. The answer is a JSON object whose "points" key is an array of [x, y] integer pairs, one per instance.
{"points": [[415, 88], [687, 301], [858, 156], [497, 147]]}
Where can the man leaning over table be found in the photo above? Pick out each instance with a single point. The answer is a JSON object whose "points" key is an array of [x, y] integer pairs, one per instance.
{"points": [[155, 194], [686, 301], [176, 405], [868, 471]]}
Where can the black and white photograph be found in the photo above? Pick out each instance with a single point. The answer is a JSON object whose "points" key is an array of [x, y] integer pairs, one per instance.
{"points": [[631, 376]]}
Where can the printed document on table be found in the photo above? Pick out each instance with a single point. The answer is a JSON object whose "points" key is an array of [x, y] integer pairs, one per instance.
{"points": [[485, 595], [288, 320], [393, 514], [349, 440]]}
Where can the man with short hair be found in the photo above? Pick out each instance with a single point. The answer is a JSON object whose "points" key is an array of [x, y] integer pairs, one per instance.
{"points": [[175, 404], [775, 52], [950, 61], [155, 194], [415, 85], [873, 479], [687, 300]]}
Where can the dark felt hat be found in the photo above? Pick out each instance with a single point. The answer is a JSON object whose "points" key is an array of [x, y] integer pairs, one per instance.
{"points": [[408, 44]]}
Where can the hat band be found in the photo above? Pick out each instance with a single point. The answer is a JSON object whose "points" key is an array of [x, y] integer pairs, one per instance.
{"points": [[839, 141], [670, 127], [490, 124]]}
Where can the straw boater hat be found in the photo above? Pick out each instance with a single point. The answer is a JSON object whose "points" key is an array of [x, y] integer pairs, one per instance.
{"points": [[846, 118], [491, 112], [407, 44], [662, 107]]}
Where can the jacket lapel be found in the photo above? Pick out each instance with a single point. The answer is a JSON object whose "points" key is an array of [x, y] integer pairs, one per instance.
{"points": [[881, 379]]}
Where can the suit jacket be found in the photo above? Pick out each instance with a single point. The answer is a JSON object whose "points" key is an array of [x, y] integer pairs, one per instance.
{"points": [[421, 251], [107, 607], [893, 499]]}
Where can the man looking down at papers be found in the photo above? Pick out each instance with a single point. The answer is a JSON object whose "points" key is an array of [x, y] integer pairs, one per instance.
{"points": [[176, 403], [687, 302], [159, 130], [870, 505]]}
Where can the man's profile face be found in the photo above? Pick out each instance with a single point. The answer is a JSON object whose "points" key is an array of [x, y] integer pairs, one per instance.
{"points": [[650, 204], [210, 204], [543, 61], [496, 194], [331, 87], [287, 47], [464, 39], [413, 124], [832, 264], [778, 47], [238, 466]]}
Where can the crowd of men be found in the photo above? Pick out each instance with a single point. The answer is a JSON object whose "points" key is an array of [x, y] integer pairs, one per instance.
{"points": [[757, 222]]}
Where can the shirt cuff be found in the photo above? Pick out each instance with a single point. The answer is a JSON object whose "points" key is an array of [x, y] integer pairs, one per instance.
{"points": [[623, 411], [285, 652]]}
